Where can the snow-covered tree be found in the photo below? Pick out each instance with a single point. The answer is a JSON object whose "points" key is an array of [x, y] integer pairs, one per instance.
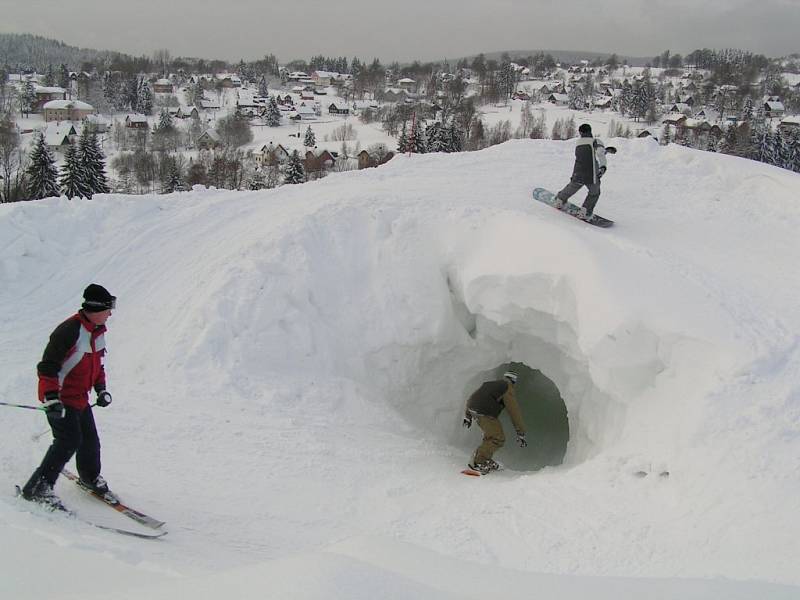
{"points": [[145, 98], [165, 122], [258, 181], [436, 138], [27, 98], [42, 174], [272, 114], [576, 98], [402, 140], [92, 163], [263, 88], [309, 141], [295, 172], [173, 181], [416, 140], [73, 177]]}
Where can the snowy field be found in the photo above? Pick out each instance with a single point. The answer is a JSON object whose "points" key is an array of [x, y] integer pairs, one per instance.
{"points": [[289, 369]]}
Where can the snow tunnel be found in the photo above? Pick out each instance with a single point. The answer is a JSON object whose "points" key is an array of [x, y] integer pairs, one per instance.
{"points": [[546, 420]]}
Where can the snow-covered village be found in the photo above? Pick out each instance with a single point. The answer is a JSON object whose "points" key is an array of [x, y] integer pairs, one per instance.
{"points": [[261, 124], [283, 324]]}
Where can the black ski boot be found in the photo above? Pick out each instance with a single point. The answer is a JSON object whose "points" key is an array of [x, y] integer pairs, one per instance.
{"points": [[42, 493]]}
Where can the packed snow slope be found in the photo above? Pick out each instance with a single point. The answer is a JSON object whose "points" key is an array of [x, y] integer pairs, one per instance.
{"points": [[289, 370]]}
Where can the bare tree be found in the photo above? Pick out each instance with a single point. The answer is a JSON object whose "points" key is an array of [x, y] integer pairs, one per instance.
{"points": [[162, 59], [11, 162]]}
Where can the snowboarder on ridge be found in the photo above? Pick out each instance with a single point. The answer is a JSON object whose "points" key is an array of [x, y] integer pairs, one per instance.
{"points": [[485, 405], [71, 366], [590, 165]]}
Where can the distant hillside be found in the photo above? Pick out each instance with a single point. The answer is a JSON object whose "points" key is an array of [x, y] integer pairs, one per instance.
{"points": [[32, 51]]}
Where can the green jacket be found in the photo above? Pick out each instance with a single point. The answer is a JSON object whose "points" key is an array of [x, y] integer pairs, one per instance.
{"points": [[491, 398]]}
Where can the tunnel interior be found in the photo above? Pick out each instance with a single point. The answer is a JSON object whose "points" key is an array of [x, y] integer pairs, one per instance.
{"points": [[546, 420]]}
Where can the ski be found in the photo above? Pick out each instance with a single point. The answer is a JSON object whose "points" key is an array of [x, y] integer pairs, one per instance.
{"points": [[116, 504], [128, 532]]}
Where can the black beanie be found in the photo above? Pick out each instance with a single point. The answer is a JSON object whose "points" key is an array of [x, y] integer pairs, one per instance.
{"points": [[585, 130], [96, 298]]}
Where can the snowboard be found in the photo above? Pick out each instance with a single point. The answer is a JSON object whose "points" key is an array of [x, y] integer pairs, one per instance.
{"points": [[549, 198], [473, 473]]}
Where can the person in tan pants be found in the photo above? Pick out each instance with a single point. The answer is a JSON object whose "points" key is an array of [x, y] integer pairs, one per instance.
{"points": [[485, 405]]}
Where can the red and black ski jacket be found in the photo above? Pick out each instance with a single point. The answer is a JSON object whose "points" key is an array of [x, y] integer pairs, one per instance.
{"points": [[72, 363]]}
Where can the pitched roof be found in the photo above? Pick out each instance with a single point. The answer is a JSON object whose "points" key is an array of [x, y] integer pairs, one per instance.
{"points": [[67, 104]]}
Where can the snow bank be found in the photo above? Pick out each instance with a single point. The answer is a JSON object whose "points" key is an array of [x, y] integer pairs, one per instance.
{"points": [[291, 364]]}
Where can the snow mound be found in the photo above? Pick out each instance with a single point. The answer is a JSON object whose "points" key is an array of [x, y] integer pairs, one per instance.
{"points": [[314, 344]]}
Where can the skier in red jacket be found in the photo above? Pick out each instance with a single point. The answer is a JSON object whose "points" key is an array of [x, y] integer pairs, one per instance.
{"points": [[71, 366]]}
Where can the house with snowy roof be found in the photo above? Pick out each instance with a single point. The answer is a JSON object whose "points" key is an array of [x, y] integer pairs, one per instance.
{"points": [[136, 121], [675, 119], [773, 109], [66, 110], [209, 139], [338, 109], [680, 107], [270, 154], [558, 99], [789, 124], [318, 160], [45, 94], [707, 114], [303, 113], [58, 136], [323, 78], [407, 84], [163, 86]]}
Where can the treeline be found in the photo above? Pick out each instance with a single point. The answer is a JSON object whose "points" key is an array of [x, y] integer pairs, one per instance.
{"points": [[751, 138]]}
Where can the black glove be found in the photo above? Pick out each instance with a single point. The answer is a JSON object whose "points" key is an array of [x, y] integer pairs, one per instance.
{"points": [[103, 398], [467, 422], [523, 443], [52, 406], [602, 171]]}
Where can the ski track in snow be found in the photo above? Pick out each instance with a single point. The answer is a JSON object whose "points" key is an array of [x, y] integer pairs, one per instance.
{"points": [[289, 367]]}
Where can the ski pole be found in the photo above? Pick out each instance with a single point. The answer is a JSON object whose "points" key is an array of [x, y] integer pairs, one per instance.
{"points": [[21, 406]]}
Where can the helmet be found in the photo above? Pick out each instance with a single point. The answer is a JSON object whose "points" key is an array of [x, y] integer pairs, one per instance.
{"points": [[511, 376]]}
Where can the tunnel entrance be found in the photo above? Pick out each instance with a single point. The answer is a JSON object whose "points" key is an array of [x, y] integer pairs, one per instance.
{"points": [[545, 415]]}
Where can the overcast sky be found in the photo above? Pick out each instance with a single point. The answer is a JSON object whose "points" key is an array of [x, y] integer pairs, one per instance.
{"points": [[407, 29]]}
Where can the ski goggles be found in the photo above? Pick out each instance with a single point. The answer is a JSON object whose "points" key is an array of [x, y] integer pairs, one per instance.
{"points": [[98, 305]]}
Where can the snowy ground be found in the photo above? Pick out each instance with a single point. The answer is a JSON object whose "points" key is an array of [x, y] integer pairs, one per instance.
{"points": [[289, 368]]}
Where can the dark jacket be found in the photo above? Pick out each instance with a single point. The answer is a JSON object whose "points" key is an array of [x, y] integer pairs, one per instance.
{"points": [[72, 363], [590, 156], [491, 398]]}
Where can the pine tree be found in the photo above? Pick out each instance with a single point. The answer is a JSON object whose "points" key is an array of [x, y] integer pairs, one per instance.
{"points": [[577, 101], [257, 181], [27, 98], [295, 172], [272, 114], [416, 140], [73, 178], [145, 98], [402, 141], [455, 138], [263, 88], [174, 181], [310, 140], [165, 122], [436, 138], [42, 174], [92, 163], [666, 138]]}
